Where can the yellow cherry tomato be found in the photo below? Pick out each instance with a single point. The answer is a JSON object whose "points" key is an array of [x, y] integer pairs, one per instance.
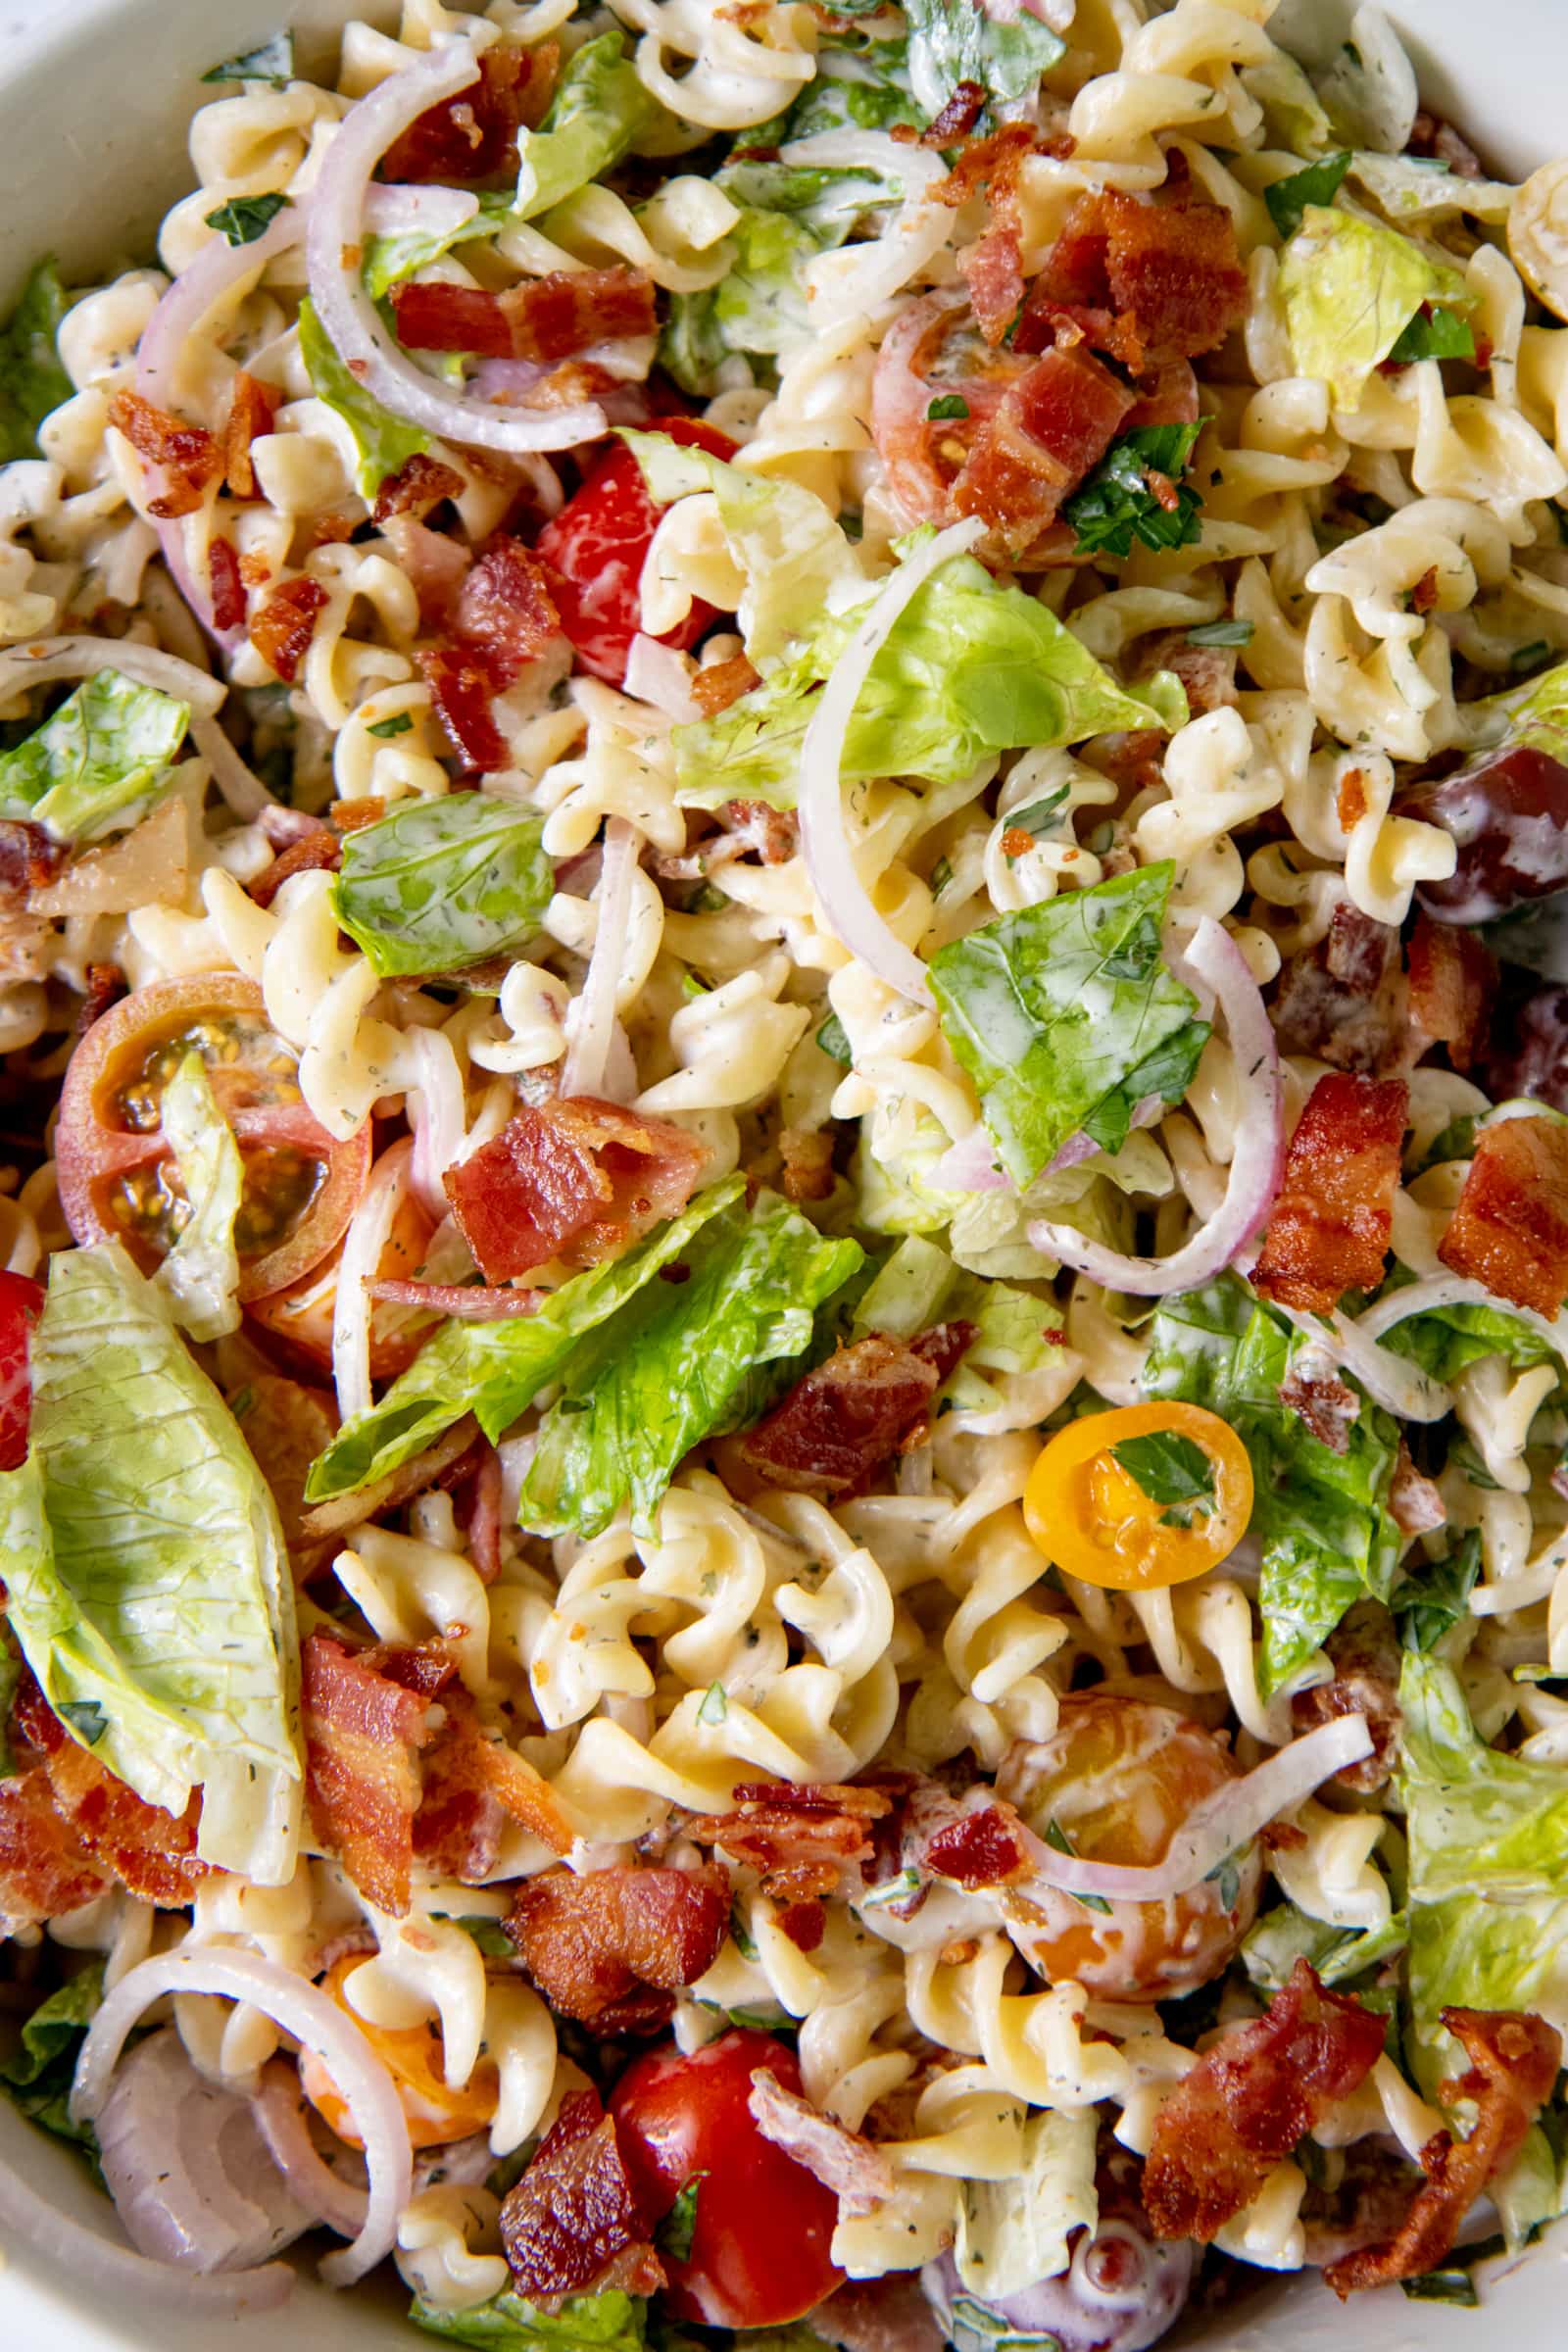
{"points": [[414, 2057], [1093, 1518]]}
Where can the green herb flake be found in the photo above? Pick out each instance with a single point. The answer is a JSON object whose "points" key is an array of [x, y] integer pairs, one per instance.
{"points": [[1433, 333], [1319, 184], [400, 724], [1167, 1467], [1221, 632], [1040, 816], [1117, 505], [946, 406], [271, 60], [675, 2233], [244, 219], [834, 1040], [1060, 1843], [1431, 1603], [487, 1933], [716, 1705]]}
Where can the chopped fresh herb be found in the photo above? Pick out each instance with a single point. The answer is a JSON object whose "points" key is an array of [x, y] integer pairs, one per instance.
{"points": [[270, 61], [400, 724], [244, 219], [1319, 184], [1168, 1468], [947, 405], [1221, 632], [674, 2233], [834, 1040], [1136, 492], [740, 1935], [891, 1890], [715, 1706], [1039, 815], [1058, 1841], [33, 377], [1433, 333], [941, 877], [1433, 1604], [85, 1717], [1457, 1141]]}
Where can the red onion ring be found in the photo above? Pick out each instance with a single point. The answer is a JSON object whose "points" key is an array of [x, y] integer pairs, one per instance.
{"points": [[469, 1302], [1455, 1290], [279, 2111], [592, 1031], [971, 1166], [46, 658], [1257, 1161]]}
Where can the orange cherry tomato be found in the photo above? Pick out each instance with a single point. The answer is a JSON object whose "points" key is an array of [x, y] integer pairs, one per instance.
{"points": [[302, 1314], [1092, 1517], [412, 2056]]}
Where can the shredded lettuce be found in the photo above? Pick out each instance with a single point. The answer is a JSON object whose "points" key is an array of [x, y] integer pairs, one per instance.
{"points": [[148, 1582], [953, 41], [1066, 1018], [681, 1362], [1446, 1339], [33, 377], [600, 109], [200, 1276], [38, 2075], [382, 442], [1350, 287], [607, 2322], [1408, 187], [109, 745], [1014, 2233], [1435, 1597], [1281, 1937], [919, 1285], [1293, 117], [440, 884]]}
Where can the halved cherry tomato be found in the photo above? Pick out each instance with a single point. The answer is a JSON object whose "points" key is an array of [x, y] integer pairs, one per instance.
{"points": [[116, 1177], [596, 546], [764, 2225], [413, 2058], [1091, 1516], [302, 1314], [20, 1304]]}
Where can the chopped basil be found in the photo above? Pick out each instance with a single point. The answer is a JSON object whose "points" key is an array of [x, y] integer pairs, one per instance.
{"points": [[244, 219], [834, 1040], [85, 1717], [1435, 334], [440, 884], [1116, 505], [947, 405], [1039, 814], [1167, 1467], [400, 724], [1433, 1603], [270, 61], [488, 1934], [1319, 184]]}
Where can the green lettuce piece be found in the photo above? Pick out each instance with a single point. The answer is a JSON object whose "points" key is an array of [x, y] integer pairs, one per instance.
{"points": [[1433, 1600], [108, 746], [200, 1276], [953, 41], [1410, 187], [1293, 117], [608, 2322], [681, 1363], [33, 377], [1350, 287], [1065, 1018], [1535, 715], [1014, 2232], [271, 60], [1323, 1519], [757, 306], [147, 1579], [1447, 1338], [1281, 1937], [440, 884], [497, 1369], [920, 1285], [598, 110], [383, 441], [37, 2078]]}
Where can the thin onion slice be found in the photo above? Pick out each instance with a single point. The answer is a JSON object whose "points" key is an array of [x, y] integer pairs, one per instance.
{"points": [[279, 2111], [47, 658], [971, 1166], [435, 1111], [369, 1231], [1438, 1290], [1392, 1380], [592, 1018], [469, 1303], [1257, 1161], [850, 916], [317, 2024], [333, 249], [1225, 1821]]}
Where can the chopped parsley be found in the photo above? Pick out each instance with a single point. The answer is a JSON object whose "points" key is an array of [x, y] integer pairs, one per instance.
{"points": [[244, 219], [1136, 492], [1319, 184]]}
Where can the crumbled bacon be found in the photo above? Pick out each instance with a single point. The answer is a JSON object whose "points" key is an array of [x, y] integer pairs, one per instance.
{"points": [[282, 628], [226, 586], [993, 270], [419, 484], [576, 1178], [838, 1424], [44, 1868], [1514, 2058], [1168, 275], [1344, 999], [470, 1788], [150, 1852], [461, 690], [979, 1849], [29, 860], [106, 985], [1330, 1229], [991, 161], [1509, 1229], [1453, 985], [1365, 1652], [1207, 672], [480, 1516], [285, 1425], [775, 834], [550, 318], [799, 1840], [574, 2223], [319, 852], [590, 1941], [500, 615], [1415, 1501], [722, 683], [187, 457], [1167, 396], [1432, 137], [506, 613], [805, 1924], [252, 412], [958, 116], [1314, 1391], [858, 2172], [806, 1159], [366, 1716], [1050, 428], [1255, 2092], [473, 136]]}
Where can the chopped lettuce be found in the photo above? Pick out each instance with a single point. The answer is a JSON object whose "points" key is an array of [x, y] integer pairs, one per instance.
{"points": [[1322, 1518], [1535, 715], [607, 2322], [919, 1285], [681, 1362], [32, 378], [758, 304], [382, 441], [244, 219], [953, 41], [1434, 1598], [1446, 1339], [1014, 2232], [108, 746], [1410, 187], [1350, 287], [271, 60], [148, 1582], [1066, 1018], [440, 884], [200, 1276], [989, 1232], [37, 2077], [1281, 1937], [598, 110], [1292, 119]]}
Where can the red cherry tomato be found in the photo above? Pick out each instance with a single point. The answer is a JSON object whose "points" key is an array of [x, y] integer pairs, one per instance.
{"points": [[596, 546], [21, 1302], [764, 2225]]}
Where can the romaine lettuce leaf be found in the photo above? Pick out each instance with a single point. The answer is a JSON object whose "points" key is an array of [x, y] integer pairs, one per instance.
{"points": [[1411, 187], [1350, 287], [497, 1369], [758, 304], [681, 1363], [1014, 2232], [37, 2077], [1281, 1937], [920, 1285], [607, 2322], [109, 745], [954, 40], [148, 1582], [382, 441], [32, 378], [1066, 1018], [200, 1276], [598, 109], [440, 884], [1447, 1338], [1434, 1597], [1293, 117]]}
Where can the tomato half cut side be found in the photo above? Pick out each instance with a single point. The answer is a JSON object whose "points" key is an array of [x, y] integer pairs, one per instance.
{"points": [[301, 1314], [118, 1178], [20, 1304]]}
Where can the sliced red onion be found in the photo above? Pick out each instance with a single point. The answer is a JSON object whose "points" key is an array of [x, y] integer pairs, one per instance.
{"points": [[279, 2111], [392, 210], [1257, 1161], [853, 919], [1225, 1821], [48, 659], [370, 1230], [1392, 1380], [1440, 1290], [971, 1166], [591, 1020], [1073, 1153], [333, 249], [317, 2024], [469, 1303]]}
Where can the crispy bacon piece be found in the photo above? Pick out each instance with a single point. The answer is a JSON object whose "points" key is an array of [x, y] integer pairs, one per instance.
{"points": [[419, 484], [1049, 428], [472, 1789], [576, 1178], [318, 851], [1326, 1404], [1415, 1501], [29, 860], [1257, 2090], [858, 2172], [282, 629], [475, 135], [550, 318], [366, 1717], [957, 116], [1169, 396], [285, 1425], [252, 412], [1345, 1001], [186, 456], [775, 834], [979, 1849], [1329, 1232], [1207, 672], [1509, 1229], [226, 584], [1453, 985], [591, 1941], [506, 613], [1431, 135], [722, 683], [106, 985], [44, 1867], [805, 1924], [501, 615], [1514, 2058], [993, 162], [461, 690], [806, 1156], [1365, 1654], [574, 2223], [149, 1850], [993, 270], [837, 1425], [1169, 276], [800, 1839]]}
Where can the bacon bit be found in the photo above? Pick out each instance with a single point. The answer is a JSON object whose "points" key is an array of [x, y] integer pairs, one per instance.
{"points": [[838, 1424], [444, 1463], [1514, 2057], [1424, 595], [481, 1517], [1169, 273], [187, 455], [1050, 428], [1016, 843], [805, 1924], [1330, 1229], [505, 613], [807, 1156], [1344, 999], [252, 412], [1257, 2091], [1453, 986], [1161, 489], [574, 2223], [472, 1787], [860, 2175], [106, 985], [227, 585], [320, 851], [1352, 800], [1207, 672], [722, 683], [773, 833], [282, 629], [1510, 1227], [255, 570], [1431, 135], [991, 161], [146, 1848], [993, 270], [1365, 1654], [979, 1849], [589, 1942], [1321, 1400], [1168, 395], [957, 116], [799, 1840], [419, 484], [576, 1178], [1283, 1837], [44, 1869], [352, 816], [1415, 1503], [475, 135], [550, 318], [29, 860], [366, 1717], [461, 690]]}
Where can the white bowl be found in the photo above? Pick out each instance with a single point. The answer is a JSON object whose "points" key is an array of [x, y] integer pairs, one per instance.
{"points": [[94, 99]]}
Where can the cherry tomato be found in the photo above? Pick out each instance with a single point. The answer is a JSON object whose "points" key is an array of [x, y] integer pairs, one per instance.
{"points": [[1116, 1780], [302, 1314], [764, 2225], [596, 546], [116, 1177], [20, 1303], [412, 2056], [1091, 1515]]}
